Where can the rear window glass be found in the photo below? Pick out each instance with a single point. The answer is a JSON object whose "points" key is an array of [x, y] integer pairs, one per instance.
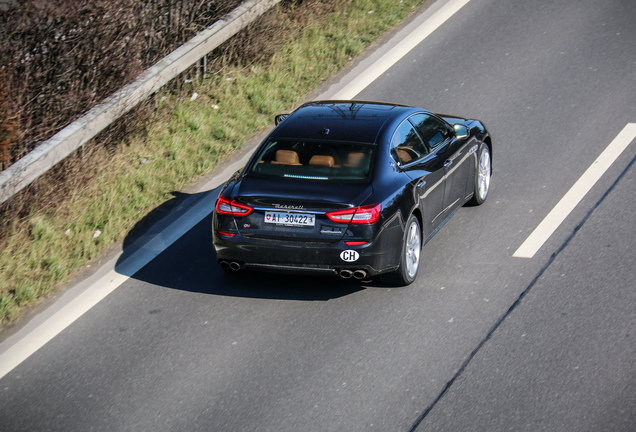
{"points": [[314, 160]]}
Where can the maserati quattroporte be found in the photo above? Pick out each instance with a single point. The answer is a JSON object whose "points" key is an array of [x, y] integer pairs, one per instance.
{"points": [[350, 188]]}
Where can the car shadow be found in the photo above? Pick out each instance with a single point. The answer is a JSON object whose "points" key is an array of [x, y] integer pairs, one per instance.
{"points": [[189, 263]]}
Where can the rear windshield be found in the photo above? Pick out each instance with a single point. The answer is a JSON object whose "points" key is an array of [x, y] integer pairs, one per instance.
{"points": [[314, 160]]}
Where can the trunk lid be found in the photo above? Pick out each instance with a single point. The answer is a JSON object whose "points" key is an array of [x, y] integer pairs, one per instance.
{"points": [[294, 210]]}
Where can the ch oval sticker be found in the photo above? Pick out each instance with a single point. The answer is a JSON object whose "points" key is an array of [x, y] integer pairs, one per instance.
{"points": [[349, 256]]}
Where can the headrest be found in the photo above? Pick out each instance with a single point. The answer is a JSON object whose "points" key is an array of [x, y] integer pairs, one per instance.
{"points": [[287, 157], [320, 160], [355, 158]]}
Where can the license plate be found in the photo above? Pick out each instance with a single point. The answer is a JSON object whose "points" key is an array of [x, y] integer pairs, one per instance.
{"points": [[290, 219]]}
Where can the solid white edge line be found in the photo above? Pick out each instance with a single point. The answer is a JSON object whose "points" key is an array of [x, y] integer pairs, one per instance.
{"points": [[576, 193], [50, 328], [19, 351], [406, 45]]}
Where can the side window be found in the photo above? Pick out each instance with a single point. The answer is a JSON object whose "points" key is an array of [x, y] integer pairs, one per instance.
{"points": [[407, 145], [435, 132]]}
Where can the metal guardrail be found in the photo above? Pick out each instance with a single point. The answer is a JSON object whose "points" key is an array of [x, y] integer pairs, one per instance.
{"points": [[50, 152]]}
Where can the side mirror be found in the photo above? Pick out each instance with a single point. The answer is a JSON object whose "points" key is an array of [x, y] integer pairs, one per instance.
{"points": [[279, 118], [461, 131]]}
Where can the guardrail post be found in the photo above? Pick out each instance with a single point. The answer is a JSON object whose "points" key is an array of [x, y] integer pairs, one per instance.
{"points": [[202, 68]]}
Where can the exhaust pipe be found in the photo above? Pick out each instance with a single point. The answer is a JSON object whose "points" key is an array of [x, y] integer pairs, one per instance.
{"points": [[235, 266], [346, 274], [225, 265], [359, 274]]}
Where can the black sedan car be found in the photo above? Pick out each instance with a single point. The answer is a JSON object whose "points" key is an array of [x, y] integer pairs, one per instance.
{"points": [[350, 188]]}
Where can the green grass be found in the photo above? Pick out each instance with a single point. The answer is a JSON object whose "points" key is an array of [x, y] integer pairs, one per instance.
{"points": [[185, 139]]}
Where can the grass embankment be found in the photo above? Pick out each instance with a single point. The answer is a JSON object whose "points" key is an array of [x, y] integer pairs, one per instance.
{"points": [[184, 139]]}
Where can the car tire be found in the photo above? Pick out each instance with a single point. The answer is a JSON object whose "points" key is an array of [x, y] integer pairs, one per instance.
{"points": [[482, 176], [410, 255]]}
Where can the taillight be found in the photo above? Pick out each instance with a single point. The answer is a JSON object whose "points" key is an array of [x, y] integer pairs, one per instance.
{"points": [[232, 208], [358, 215]]}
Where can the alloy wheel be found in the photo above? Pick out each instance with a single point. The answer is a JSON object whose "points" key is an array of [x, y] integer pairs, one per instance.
{"points": [[413, 249], [483, 176]]}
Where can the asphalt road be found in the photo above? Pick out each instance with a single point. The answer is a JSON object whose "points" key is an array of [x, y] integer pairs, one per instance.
{"points": [[481, 341]]}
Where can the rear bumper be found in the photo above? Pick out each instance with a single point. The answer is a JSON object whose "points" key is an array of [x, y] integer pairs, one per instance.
{"points": [[303, 257]]}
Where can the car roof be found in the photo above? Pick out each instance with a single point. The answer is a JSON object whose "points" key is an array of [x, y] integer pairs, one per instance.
{"points": [[353, 121]]}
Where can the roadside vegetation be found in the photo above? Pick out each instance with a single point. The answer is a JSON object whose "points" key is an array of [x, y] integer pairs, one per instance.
{"points": [[187, 130]]}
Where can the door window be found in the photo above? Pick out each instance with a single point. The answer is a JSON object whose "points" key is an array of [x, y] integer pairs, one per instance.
{"points": [[407, 145], [434, 131]]}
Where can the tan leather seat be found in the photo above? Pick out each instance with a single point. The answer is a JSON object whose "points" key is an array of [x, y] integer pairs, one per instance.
{"points": [[286, 157], [354, 159], [404, 155], [320, 160]]}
